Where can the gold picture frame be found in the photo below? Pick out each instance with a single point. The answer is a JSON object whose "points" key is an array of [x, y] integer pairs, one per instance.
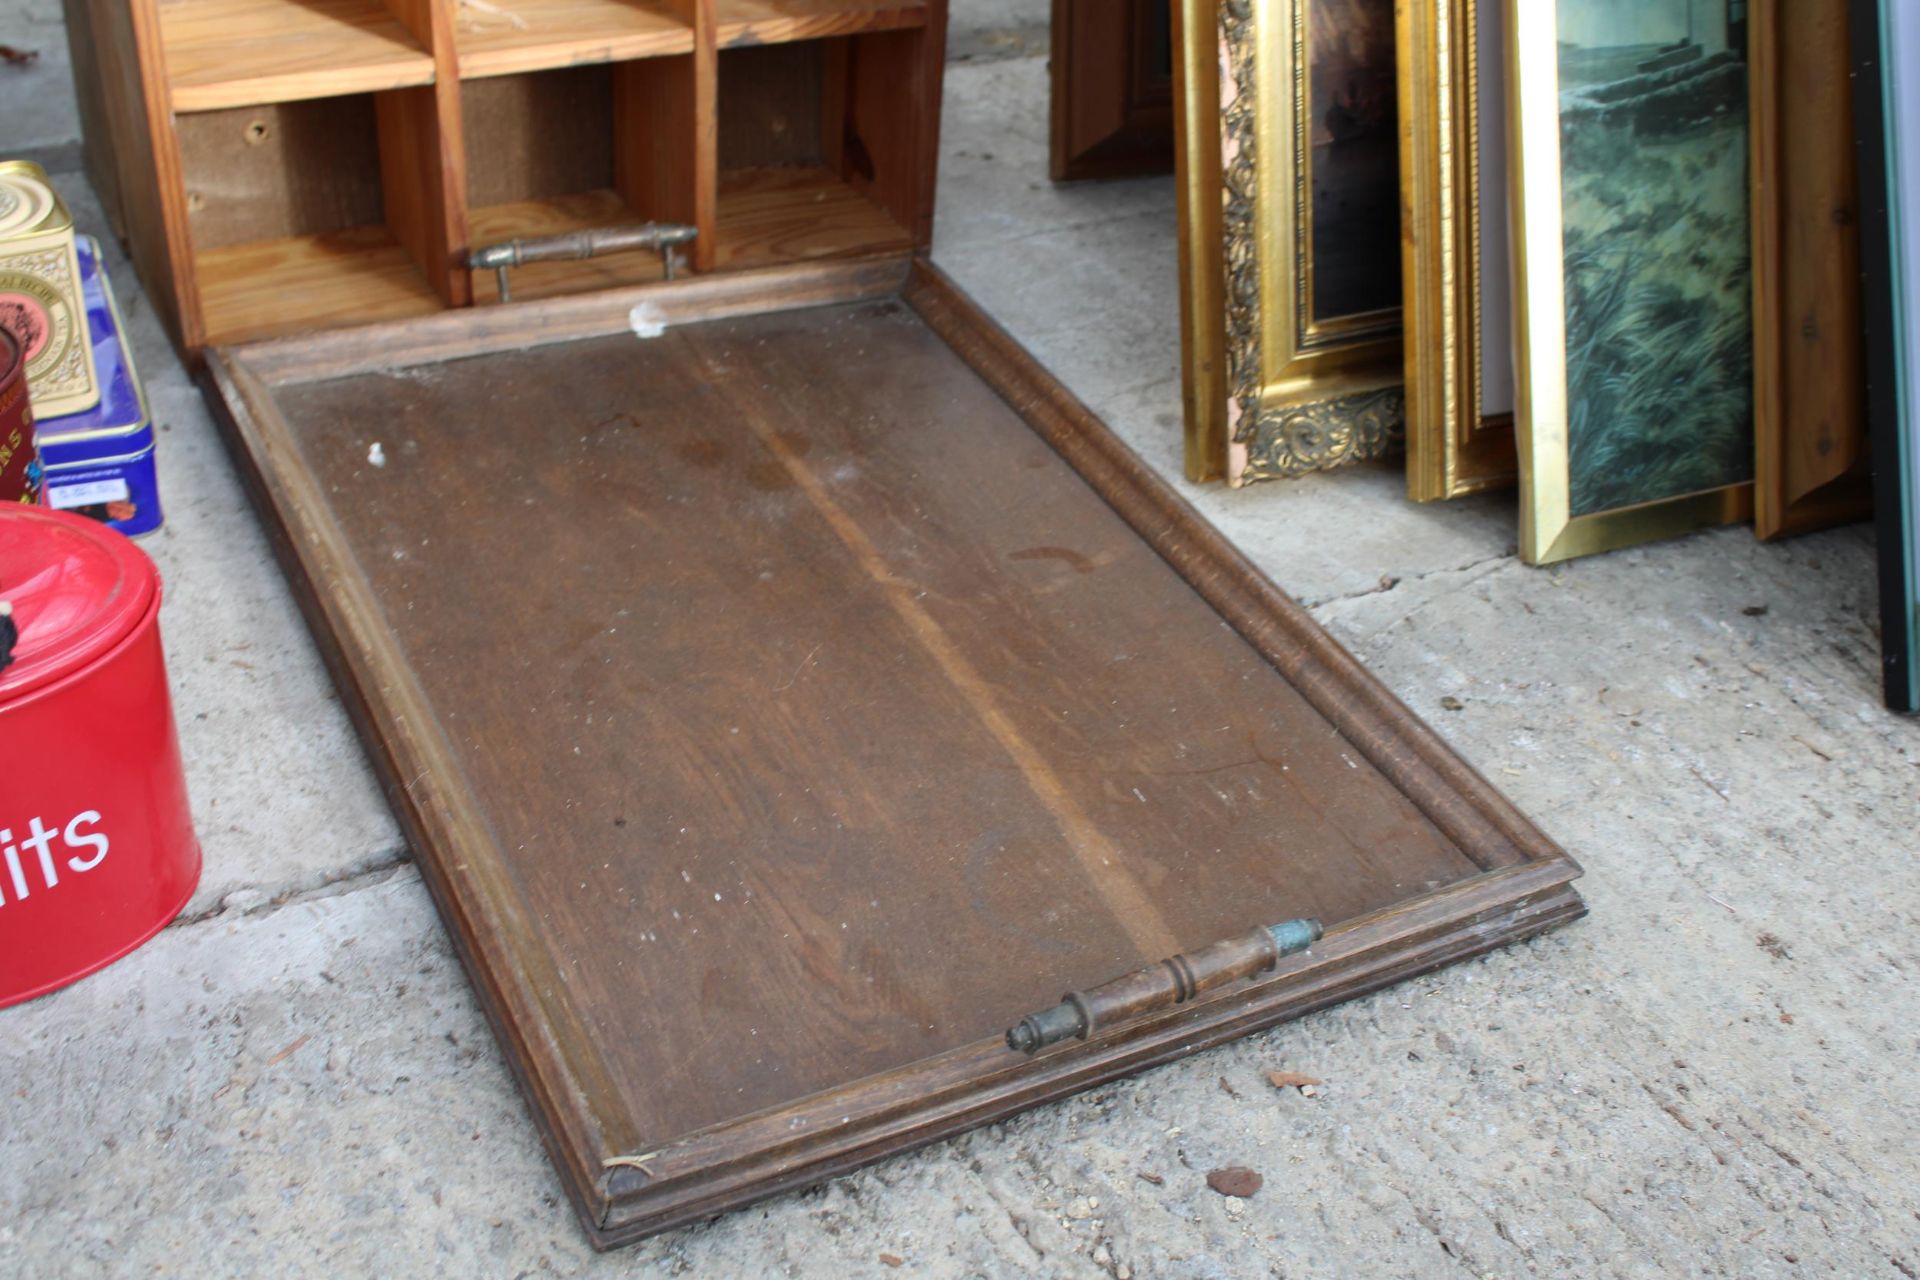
{"points": [[1458, 309], [1277, 380], [1554, 526]]}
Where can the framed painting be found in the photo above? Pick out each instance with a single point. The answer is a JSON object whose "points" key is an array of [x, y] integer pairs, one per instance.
{"points": [[1454, 247], [1288, 160], [1811, 461], [1631, 252], [1886, 44]]}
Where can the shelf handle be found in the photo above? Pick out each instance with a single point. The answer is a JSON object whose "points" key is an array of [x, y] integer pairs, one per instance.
{"points": [[571, 246], [1161, 986]]}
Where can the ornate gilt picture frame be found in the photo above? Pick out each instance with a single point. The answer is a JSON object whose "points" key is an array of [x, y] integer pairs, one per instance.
{"points": [[1459, 305], [1633, 317], [1287, 152]]}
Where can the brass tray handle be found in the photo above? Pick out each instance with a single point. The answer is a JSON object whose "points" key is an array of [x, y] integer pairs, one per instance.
{"points": [[571, 246], [1080, 1013]]}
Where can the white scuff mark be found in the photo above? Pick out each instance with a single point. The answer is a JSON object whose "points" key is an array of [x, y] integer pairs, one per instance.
{"points": [[478, 16], [631, 1162], [376, 456], [647, 320], [802, 667]]}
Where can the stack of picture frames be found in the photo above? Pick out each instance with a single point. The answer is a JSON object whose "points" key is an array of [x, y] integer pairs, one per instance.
{"points": [[1606, 250], [1886, 45]]}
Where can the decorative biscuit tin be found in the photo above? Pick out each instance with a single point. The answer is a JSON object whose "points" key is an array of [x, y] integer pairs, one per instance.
{"points": [[40, 292], [100, 463], [19, 469]]}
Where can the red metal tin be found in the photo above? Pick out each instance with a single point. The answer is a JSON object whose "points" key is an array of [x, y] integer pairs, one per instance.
{"points": [[97, 851], [19, 465]]}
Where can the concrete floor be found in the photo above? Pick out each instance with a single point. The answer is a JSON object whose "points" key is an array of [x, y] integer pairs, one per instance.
{"points": [[1709, 1076]]}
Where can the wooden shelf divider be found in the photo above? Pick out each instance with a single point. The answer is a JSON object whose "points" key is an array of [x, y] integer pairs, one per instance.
{"points": [[423, 159], [324, 232]]}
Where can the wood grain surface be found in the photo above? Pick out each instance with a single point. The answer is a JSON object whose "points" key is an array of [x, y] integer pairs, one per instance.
{"points": [[747, 22], [767, 216], [892, 121], [1811, 466], [512, 36], [231, 53], [662, 150], [308, 282], [127, 53], [782, 706]]}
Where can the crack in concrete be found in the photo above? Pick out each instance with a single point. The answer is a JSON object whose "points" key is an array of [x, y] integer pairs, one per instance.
{"points": [[993, 246], [379, 872], [1391, 582], [1171, 379], [1454, 1253], [1604, 1210], [1021, 1228]]}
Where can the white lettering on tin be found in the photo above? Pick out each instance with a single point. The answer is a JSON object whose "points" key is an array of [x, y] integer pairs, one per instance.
{"points": [[97, 842], [34, 853]]}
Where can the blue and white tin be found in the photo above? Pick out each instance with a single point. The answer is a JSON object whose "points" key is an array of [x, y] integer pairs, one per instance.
{"points": [[99, 463]]}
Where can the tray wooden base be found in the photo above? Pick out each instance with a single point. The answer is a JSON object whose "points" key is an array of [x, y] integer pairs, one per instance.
{"points": [[782, 706]]}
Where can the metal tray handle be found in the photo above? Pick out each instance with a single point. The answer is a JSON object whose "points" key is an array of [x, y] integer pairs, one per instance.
{"points": [[571, 246]]}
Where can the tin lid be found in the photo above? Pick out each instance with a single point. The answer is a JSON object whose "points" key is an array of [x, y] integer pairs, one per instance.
{"points": [[28, 202], [76, 589]]}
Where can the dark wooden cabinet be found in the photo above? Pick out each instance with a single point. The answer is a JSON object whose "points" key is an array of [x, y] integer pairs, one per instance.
{"points": [[278, 166], [1112, 89]]}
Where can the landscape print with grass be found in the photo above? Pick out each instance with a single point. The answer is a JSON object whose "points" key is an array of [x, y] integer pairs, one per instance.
{"points": [[1653, 138]]}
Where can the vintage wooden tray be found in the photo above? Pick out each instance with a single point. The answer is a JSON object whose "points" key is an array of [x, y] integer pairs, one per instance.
{"points": [[783, 706]]}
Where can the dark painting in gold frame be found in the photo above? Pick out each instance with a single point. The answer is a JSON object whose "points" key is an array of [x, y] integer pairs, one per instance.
{"points": [[1288, 173], [1349, 120]]}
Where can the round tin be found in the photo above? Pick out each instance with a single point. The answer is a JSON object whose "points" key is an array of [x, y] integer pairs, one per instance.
{"points": [[97, 851], [19, 464]]}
